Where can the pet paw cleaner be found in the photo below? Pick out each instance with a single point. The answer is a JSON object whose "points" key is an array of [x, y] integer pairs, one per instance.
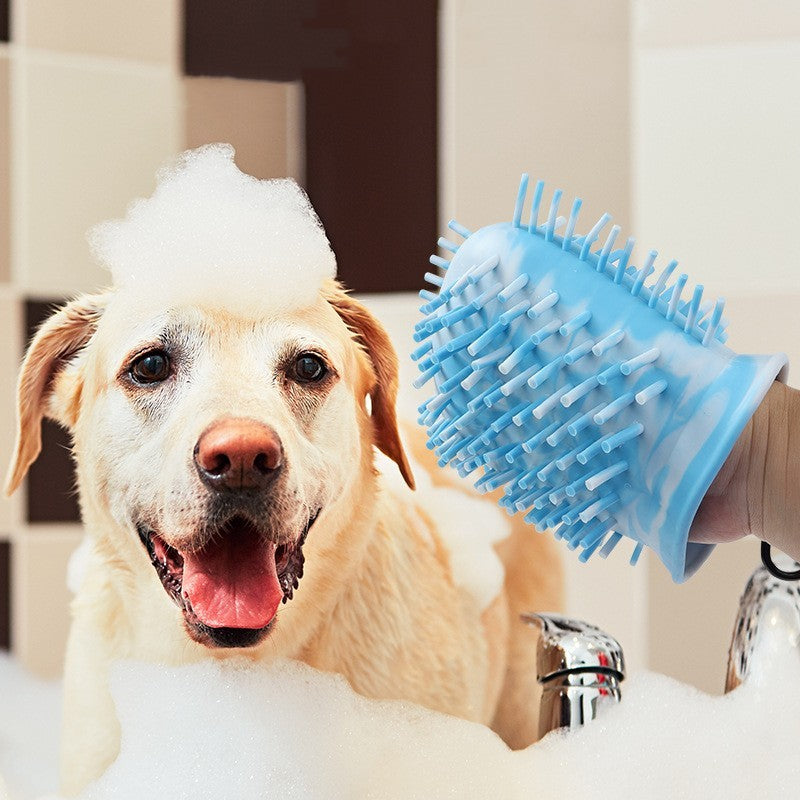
{"points": [[600, 395]]}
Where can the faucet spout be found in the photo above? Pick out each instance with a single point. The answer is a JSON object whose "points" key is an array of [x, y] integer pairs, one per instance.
{"points": [[580, 668], [769, 608]]}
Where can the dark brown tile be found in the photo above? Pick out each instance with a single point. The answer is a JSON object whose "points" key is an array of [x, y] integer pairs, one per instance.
{"points": [[5, 595], [371, 144], [51, 495], [370, 77], [5, 20], [267, 39]]}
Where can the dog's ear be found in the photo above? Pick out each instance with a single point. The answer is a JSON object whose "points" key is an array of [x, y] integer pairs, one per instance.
{"points": [[375, 342], [59, 339]]}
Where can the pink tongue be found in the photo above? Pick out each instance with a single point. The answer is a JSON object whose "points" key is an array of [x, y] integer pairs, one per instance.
{"points": [[233, 583]]}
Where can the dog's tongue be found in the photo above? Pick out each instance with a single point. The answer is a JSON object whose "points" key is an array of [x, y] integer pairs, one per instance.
{"points": [[233, 582]]}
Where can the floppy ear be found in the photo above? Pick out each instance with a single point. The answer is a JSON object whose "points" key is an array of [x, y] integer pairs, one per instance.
{"points": [[374, 340], [54, 344]]}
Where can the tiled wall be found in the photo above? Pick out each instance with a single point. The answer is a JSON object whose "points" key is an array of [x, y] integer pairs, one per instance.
{"points": [[680, 118], [92, 105]]}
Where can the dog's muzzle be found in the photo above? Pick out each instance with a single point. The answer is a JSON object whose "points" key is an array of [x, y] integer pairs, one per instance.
{"points": [[229, 590]]}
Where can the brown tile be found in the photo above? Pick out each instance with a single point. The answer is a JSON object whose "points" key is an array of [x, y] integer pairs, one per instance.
{"points": [[5, 164], [271, 39], [5, 595], [11, 337], [251, 115], [51, 495], [370, 78]]}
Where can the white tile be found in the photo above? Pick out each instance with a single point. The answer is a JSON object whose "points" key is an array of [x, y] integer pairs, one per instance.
{"points": [[670, 23], [529, 89], [762, 324], [691, 623], [90, 135], [715, 137]]}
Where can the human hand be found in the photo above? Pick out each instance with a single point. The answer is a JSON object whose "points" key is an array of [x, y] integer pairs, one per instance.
{"points": [[757, 491]]}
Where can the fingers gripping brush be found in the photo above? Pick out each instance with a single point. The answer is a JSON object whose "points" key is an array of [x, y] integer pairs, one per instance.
{"points": [[600, 395]]}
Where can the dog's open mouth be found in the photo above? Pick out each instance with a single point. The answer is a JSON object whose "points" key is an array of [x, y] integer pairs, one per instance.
{"points": [[231, 588]]}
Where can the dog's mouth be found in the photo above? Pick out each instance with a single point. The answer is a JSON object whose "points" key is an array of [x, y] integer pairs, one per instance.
{"points": [[230, 589]]}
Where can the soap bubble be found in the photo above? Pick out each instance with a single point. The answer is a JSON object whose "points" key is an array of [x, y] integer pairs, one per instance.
{"points": [[210, 234]]}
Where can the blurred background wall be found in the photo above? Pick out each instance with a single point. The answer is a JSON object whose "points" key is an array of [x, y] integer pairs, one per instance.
{"points": [[681, 118]]}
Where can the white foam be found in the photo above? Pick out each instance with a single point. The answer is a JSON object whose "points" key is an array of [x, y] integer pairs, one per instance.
{"points": [[244, 732], [30, 712], [210, 233]]}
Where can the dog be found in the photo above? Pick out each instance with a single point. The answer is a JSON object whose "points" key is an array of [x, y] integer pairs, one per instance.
{"points": [[227, 478]]}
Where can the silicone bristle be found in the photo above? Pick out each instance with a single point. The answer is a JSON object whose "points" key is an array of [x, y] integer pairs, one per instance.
{"points": [[549, 349]]}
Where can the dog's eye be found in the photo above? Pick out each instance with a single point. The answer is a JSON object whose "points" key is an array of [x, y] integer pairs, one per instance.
{"points": [[309, 368], [151, 367]]}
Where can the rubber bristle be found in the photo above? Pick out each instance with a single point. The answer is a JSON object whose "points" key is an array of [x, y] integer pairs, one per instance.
{"points": [[532, 394]]}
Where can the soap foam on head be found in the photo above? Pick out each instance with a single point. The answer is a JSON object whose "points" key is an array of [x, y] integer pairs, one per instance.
{"points": [[210, 234]]}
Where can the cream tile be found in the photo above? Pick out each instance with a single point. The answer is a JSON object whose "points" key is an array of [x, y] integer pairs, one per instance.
{"points": [[691, 623], [146, 30], [766, 324], [10, 356], [40, 600], [529, 89], [715, 132], [5, 169], [90, 139], [678, 23], [254, 116]]}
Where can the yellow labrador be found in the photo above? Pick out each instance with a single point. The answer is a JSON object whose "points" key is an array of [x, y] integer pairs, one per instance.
{"points": [[228, 486]]}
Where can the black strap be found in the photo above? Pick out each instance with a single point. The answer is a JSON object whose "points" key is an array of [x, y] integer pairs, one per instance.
{"points": [[766, 558]]}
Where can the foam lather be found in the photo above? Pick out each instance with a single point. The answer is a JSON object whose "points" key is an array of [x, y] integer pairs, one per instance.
{"points": [[600, 395]]}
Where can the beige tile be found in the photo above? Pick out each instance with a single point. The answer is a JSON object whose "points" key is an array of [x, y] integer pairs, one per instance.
{"points": [[91, 137], [691, 623], [678, 23], [5, 168], [254, 116], [715, 130], [146, 30], [40, 600], [766, 324], [10, 356], [526, 88]]}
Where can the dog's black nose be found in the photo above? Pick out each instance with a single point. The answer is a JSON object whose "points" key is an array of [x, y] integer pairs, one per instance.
{"points": [[235, 454]]}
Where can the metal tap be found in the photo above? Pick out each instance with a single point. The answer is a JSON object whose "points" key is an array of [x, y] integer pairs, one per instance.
{"points": [[768, 602], [580, 668]]}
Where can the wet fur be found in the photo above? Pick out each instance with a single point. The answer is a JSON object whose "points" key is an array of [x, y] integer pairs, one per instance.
{"points": [[377, 604]]}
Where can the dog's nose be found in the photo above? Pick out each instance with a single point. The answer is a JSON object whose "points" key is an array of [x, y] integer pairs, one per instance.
{"points": [[238, 454]]}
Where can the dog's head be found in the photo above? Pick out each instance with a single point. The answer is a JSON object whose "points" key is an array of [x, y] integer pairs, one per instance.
{"points": [[211, 446]]}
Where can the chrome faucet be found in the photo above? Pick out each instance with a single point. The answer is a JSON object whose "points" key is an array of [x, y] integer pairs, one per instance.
{"points": [[580, 669], [768, 602]]}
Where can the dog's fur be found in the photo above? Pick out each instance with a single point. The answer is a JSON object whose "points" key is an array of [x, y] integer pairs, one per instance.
{"points": [[377, 604]]}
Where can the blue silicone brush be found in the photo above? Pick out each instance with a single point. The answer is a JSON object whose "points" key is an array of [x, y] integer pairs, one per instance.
{"points": [[600, 395]]}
